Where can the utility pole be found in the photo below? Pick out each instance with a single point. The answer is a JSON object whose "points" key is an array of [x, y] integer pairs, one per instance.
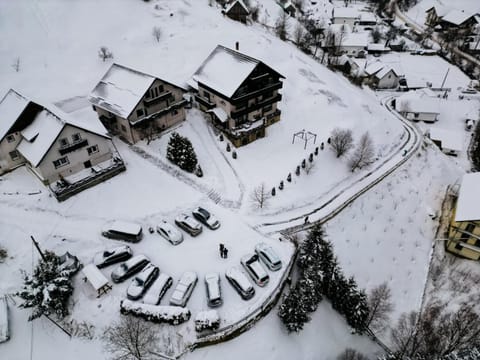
{"points": [[445, 78], [38, 247]]}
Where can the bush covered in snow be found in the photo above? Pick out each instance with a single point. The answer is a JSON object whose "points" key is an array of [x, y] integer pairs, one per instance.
{"points": [[157, 313], [207, 320], [3, 254]]}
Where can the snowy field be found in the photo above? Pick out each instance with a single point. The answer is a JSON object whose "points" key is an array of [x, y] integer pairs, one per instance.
{"points": [[57, 44]]}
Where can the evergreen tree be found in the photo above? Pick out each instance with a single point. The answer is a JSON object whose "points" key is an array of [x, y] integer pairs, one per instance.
{"points": [[309, 291], [475, 148], [180, 152], [292, 311], [48, 289], [310, 249], [356, 307]]}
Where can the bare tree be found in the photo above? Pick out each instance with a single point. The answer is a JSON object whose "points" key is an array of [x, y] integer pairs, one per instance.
{"points": [[131, 338], [364, 153], [16, 64], [282, 26], [341, 140], [376, 35], [104, 53], [404, 335], [260, 196], [298, 34], [157, 33], [351, 354], [380, 306]]}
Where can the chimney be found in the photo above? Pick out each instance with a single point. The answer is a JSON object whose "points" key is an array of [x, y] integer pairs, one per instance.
{"points": [[237, 46]]}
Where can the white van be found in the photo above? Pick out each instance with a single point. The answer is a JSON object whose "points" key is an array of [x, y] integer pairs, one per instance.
{"points": [[123, 230]]}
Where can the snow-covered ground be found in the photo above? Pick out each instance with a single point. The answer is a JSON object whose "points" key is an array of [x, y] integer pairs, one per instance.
{"points": [[57, 44]]}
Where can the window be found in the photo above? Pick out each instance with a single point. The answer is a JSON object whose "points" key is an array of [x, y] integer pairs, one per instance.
{"points": [[467, 231], [124, 129], [94, 108], [14, 155], [459, 246], [174, 112], [156, 92], [139, 112], [206, 95], [416, 115], [63, 142], [92, 149], [11, 138], [61, 162], [267, 108], [160, 89], [76, 137]]}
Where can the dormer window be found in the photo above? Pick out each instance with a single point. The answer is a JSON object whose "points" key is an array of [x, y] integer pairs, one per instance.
{"points": [[63, 142], [140, 112]]}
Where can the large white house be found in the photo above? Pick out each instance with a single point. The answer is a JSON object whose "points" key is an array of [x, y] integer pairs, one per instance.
{"points": [[65, 153]]}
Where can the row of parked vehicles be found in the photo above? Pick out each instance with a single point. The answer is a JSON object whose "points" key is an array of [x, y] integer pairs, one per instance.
{"points": [[132, 232], [151, 284]]}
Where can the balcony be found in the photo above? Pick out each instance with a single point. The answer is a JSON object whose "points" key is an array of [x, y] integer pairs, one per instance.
{"points": [[73, 146], [166, 96], [202, 101], [256, 106], [248, 93]]}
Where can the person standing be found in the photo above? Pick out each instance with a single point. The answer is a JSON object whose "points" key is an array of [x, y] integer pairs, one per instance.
{"points": [[221, 250]]}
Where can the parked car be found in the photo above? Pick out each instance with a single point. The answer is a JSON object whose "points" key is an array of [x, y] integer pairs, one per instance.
{"points": [[169, 232], [112, 256], [251, 263], [129, 268], [240, 282], [184, 289], [189, 224], [158, 289], [468, 90], [123, 230], [142, 281], [214, 292], [268, 256], [206, 218]]}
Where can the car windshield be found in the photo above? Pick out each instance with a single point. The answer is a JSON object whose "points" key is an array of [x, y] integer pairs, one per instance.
{"points": [[204, 213]]}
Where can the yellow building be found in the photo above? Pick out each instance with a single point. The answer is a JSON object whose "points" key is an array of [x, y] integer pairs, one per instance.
{"points": [[464, 229]]}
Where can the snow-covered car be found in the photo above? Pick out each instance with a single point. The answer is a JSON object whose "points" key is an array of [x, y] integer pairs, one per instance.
{"points": [[129, 268], [251, 263], [123, 230], [240, 282], [169, 232], [206, 218], [112, 256], [142, 281], [468, 90], [155, 294], [214, 292], [469, 124], [189, 224], [184, 289], [268, 256]]}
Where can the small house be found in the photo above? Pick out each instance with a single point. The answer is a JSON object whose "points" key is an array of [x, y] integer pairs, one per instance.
{"points": [[381, 76], [289, 8], [417, 106], [450, 142], [58, 149], [239, 92], [464, 228], [94, 276], [377, 49], [354, 44], [345, 15], [237, 10], [135, 105], [367, 19]]}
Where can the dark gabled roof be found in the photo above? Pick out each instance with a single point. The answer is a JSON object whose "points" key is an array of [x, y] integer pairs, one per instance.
{"points": [[11, 107], [224, 70]]}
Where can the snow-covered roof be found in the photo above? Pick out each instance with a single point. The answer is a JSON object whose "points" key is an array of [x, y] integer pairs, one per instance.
{"points": [[11, 107], [374, 67], [220, 114], [355, 39], [345, 12], [120, 90], [95, 276], [367, 17], [39, 136], [440, 10], [339, 28], [418, 102], [384, 71], [451, 140], [377, 47], [240, 2], [469, 198], [224, 70], [457, 17]]}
